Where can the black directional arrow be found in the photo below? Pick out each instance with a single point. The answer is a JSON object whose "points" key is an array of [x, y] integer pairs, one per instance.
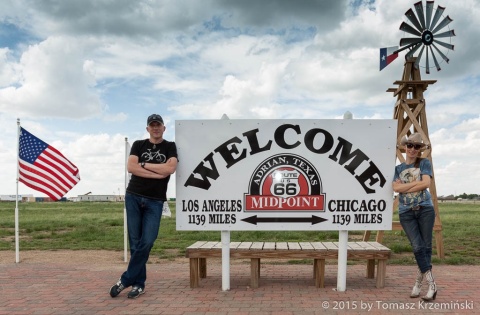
{"points": [[254, 220]]}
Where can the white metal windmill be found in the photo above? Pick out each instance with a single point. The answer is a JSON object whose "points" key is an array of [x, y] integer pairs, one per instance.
{"points": [[428, 28]]}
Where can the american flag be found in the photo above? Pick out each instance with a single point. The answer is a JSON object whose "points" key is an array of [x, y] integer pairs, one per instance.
{"points": [[44, 168]]}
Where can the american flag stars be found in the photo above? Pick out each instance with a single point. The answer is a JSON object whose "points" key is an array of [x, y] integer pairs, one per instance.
{"points": [[30, 146]]}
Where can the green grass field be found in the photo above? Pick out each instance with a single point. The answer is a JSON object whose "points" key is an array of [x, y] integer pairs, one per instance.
{"points": [[94, 226]]}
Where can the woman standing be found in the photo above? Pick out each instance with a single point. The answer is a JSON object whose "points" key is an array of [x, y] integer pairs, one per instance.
{"points": [[416, 212]]}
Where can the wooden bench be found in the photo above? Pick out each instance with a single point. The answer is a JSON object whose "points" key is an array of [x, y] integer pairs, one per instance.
{"points": [[318, 251]]}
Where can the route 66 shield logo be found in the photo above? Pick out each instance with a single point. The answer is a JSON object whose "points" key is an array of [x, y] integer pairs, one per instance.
{"points": [[285, 183]]}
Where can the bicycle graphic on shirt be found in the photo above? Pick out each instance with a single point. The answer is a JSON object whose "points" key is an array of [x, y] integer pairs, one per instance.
{"points": [[153, 156]]}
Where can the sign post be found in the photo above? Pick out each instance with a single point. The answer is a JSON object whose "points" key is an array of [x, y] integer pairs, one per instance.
{"points": [[225, 238], [342, 247]]}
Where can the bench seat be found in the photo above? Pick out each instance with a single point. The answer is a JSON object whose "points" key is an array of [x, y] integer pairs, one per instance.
{"points": [[318, 251]]}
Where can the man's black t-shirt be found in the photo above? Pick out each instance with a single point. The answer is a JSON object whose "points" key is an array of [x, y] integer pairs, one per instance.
{"points": [[151, 153]]}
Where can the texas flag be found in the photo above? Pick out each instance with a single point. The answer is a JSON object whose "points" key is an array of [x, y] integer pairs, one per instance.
{"points": [[387, 55]]}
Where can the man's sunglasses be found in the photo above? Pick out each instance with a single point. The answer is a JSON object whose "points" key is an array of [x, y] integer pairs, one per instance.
{"points": [[415, 146]]}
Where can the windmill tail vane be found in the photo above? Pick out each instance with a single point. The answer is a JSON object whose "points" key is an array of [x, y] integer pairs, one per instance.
{"points": [[428, 28], [387, 55]]}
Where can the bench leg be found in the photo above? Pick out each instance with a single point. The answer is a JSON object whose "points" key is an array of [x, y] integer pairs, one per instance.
{"points": [[381, 272], [254, 272], [194, 273], [202, 264], [371, 268], [319, 270]]}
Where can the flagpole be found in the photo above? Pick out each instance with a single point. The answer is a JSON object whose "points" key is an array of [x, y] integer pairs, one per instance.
{"points": [[17, 243], [125, 245]]}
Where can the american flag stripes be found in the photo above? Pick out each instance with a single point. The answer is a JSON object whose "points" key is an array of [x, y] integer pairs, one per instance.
{"points": [[44, 168]]}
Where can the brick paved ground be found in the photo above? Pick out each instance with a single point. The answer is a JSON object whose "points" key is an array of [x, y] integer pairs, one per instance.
{"points": [[59, 288]]}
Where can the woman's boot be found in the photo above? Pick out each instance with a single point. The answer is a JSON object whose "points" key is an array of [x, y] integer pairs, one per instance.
{"points": [[418, 285], [432, 287]]}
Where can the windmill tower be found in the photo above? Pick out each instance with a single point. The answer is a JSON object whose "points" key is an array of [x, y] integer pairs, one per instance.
{"points": [[410, 112], [410, 107]]}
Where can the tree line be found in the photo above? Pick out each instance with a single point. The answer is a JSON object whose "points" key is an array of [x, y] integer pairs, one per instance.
{"points": [[462, 196]]}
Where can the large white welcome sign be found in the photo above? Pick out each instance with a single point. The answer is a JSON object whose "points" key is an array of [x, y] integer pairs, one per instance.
{"points": [[285, 174]]}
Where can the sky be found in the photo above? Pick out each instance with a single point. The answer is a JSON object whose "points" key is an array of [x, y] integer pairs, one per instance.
{"points": [[84, 75]]}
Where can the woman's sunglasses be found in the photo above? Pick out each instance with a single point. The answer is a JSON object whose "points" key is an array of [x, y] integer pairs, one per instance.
{"points": [[415, 146]]}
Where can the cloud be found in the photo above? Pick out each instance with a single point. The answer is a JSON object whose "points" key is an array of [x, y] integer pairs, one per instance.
{"points": [[100, 159], [119, 117], [124, 18], [243, 98], [276, 14], [8, 72], [53, 81]]}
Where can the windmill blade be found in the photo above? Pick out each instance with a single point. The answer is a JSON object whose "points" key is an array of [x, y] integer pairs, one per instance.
{"points": [[411, 16], [429, 7], [411, 52], [409, 40], [435, 59], [427, 64], [446, 45], [417, 62], [422, 26], [441, 54], [446, 34], [442, 24], [419, 8], [437, 16], [407, 28]]}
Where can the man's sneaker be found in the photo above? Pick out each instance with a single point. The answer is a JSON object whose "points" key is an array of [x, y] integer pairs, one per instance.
{"points": [[116, 288], [136, 292]]}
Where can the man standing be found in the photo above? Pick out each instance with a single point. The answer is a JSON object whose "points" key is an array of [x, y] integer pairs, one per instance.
{"points": [[151, 162]]}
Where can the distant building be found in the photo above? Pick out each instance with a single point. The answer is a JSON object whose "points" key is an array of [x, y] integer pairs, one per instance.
{"points": [[87, 197], [23, 198], [444, 198], [100, 198]]}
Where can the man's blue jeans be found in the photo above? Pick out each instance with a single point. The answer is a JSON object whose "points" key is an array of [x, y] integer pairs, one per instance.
{"points": [[418, 225], [143, 221]]}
